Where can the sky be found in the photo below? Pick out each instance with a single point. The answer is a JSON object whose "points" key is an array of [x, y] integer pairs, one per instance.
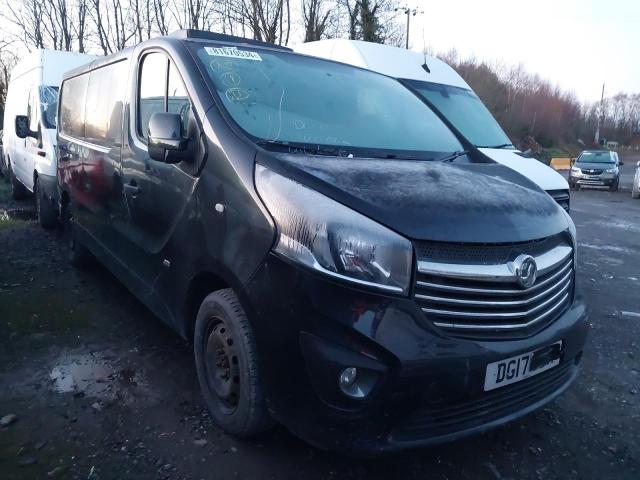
{"points": [[577, 44]]}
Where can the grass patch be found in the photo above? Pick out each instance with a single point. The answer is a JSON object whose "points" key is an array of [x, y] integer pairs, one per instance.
{"points": [[7, 223]]}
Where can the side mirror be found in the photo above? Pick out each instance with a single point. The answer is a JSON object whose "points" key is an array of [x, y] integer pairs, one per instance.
{"points": [[22, 127], [620, 163], [165, 136]]}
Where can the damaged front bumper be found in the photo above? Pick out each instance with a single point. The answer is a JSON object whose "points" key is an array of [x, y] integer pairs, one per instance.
{"points": [[428, 388]]}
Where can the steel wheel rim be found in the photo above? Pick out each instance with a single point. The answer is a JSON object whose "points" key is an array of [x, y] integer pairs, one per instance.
{"points": [[222, 365]]}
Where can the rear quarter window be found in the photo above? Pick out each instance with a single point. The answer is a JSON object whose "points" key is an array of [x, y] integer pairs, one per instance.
{"points": [[72, 111]]}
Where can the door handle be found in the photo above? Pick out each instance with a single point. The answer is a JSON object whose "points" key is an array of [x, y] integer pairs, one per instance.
{"points": [[132, 189]]}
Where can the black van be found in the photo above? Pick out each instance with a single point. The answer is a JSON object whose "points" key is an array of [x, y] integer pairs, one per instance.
{"points": [[341, 263]]}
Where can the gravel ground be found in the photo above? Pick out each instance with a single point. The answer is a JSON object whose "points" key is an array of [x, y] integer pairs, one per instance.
{"points": [[93, 386]]}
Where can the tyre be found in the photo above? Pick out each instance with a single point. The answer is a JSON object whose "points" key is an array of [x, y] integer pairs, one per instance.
{"points": [[47, 214], [226, 362], [18, 190], [79, 255], [614, 187]]}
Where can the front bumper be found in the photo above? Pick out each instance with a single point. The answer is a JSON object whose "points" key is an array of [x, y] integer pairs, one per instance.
{"points": [[430, 385], [603, 180]]}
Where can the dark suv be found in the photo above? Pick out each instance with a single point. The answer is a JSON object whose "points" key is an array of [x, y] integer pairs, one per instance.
{"points": [[596, 168], [342, 265]]}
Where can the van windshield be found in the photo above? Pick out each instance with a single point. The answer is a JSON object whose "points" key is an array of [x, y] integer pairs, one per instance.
{"points": [[280, 98], [49, 105], [465, 111]]}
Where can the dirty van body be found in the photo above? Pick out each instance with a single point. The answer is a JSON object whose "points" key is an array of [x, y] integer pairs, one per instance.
{"points": [[342, 268]]}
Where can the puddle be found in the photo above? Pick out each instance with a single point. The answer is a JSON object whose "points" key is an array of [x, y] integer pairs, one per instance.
{"points": [[86, 373], [94, 375]]}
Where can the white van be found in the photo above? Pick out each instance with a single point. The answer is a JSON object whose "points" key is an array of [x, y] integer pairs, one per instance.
{"points": [[31, 162], [447, 93]]}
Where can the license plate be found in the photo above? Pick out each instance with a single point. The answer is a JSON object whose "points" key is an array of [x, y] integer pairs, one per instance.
{"points": [[514, 369], [593, 177]]}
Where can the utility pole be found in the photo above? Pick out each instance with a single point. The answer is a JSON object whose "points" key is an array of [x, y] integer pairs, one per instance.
{"points": [[409, 12], [600, 115]]}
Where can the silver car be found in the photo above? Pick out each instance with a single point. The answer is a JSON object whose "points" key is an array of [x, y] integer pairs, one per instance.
{"points": [[635, 190], [596, 168]]}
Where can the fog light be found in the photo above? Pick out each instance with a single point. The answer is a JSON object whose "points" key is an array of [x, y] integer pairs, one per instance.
{"points": [[348, 377], [357, 383]]}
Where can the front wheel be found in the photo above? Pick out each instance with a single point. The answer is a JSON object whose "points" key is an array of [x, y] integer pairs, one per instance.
{"points": [[18, 190], [227, 365], [47, 214], [614, 187]]}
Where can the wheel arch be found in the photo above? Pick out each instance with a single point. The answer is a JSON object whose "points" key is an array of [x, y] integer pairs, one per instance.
{"points": [[200, 285]]}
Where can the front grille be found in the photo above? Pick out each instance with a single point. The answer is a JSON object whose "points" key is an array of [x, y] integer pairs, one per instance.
{"points": [[592, 171], [561, 197], [480, 298], [438, 420]]}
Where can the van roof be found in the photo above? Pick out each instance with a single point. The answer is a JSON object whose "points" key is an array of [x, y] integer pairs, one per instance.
{"points": [[190, 34], [392, 61], [52, 63], [184, 34]]}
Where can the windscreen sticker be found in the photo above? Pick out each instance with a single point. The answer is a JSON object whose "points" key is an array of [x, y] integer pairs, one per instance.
{"points": [[233, 52]]}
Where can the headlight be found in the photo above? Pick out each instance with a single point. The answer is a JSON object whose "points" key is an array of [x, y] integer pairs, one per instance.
{"points": [[575, 170], [574, 238], [328, 237], [610, 170]]}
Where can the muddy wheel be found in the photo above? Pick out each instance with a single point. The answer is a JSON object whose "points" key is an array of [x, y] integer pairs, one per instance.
{"points": [[18, 190], [614, 187], [47, 214], [226, 362], [79, 255]]}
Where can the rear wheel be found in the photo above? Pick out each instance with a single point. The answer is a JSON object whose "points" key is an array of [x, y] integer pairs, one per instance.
{"points": [[18, 190], [47, 214], [227, 365]]}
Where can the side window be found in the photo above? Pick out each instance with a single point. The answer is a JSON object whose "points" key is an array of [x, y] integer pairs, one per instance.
{"points": [[32, 110], [177, 98], [152, 89], [104, 95], [72, 106]]}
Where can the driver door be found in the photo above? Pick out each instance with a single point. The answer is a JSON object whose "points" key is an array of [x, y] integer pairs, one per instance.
{"points": [[31, 145]]}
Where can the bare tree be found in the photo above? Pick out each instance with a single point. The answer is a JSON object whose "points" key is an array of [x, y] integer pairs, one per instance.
{"points": [[372, 20], [315, 15], [196, 14], [268, 20], [7, 61], [28, 18], [159, 16], [115, 24]]}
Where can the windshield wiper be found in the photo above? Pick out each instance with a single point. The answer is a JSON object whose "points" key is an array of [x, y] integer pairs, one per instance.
{"points": [[307, 149], [453, 156], [502, 145]]}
